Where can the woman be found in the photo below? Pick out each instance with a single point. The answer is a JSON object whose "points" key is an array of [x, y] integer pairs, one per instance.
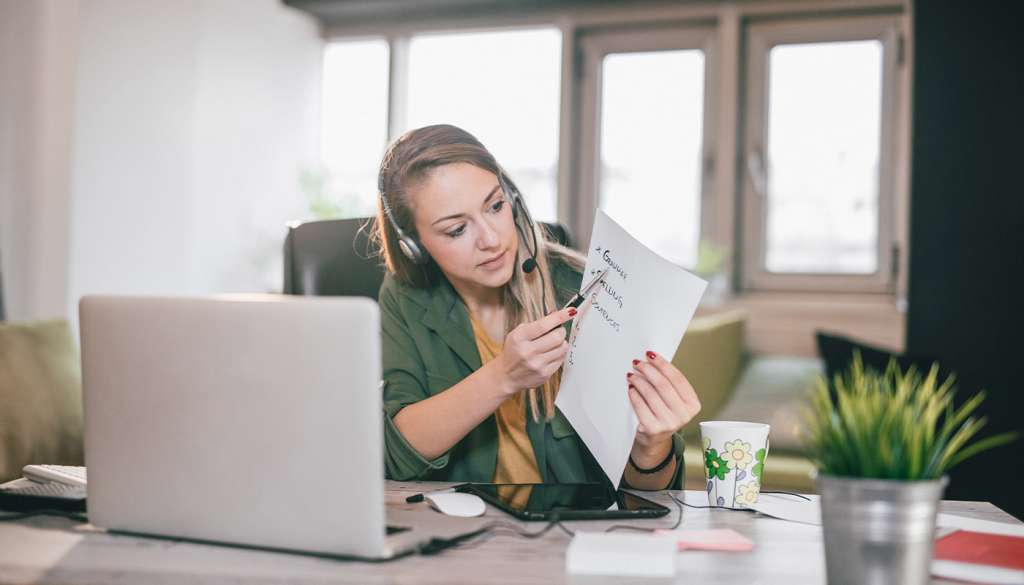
{"points": [[471, 355]]}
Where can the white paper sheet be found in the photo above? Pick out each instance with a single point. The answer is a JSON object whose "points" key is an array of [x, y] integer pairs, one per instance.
{"points": [[645, 303], [792, 508], [786, 507], [620, 554], [977, 525]]}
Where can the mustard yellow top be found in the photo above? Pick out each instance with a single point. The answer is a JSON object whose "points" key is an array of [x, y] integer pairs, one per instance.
{"points": [[516, 460]]}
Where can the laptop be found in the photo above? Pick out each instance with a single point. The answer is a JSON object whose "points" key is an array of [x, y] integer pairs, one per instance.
{"points": [[252, 420]]}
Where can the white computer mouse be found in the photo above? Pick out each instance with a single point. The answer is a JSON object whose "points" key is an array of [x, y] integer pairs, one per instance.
{"points": [[457, 504]]}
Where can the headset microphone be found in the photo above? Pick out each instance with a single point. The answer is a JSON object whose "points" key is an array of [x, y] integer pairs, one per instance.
{"points": [[528, 265]]}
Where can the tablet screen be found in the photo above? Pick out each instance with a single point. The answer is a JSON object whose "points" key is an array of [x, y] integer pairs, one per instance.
{"points": [[566, 500]]}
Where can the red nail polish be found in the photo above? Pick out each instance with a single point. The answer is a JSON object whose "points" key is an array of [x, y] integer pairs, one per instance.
{"points": [[572, 312], [636, 362], [629, 374], [631, 387], [650, 355]]}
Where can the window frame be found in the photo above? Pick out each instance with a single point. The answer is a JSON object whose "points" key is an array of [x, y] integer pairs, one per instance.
{"points": [[761, 38], [593, 47]]}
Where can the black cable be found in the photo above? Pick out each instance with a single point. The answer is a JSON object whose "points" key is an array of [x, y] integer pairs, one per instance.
{"points": [[789, 494], [484, 534], [713, 507], [518, 202], [736, 509]]}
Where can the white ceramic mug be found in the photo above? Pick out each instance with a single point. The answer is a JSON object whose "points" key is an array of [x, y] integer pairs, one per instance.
{"points": [[734, 457]]}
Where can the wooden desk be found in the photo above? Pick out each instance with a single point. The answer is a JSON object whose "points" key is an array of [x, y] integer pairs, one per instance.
{"points": [[57, 550]]}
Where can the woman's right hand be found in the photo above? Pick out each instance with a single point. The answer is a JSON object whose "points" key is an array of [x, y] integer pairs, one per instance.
{"points": [[533, 352]]}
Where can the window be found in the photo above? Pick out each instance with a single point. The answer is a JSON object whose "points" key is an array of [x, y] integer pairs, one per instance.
{"points": [[354, 130], [646, 94], [748, 141], [502, 87], [818, 191]]}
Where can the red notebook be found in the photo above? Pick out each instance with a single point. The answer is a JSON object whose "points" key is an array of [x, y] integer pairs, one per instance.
{"points": [[981, 549]]}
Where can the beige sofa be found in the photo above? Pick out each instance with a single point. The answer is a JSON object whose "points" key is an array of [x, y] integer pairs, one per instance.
{"points": [[41, 409], [40, 396]]}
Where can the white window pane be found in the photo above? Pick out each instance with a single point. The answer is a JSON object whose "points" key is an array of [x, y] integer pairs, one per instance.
{"points": [[652, 110], [824, 127], [355, 110], [502, 87]]}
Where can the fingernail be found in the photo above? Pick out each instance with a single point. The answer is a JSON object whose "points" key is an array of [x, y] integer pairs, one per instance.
{"points": [[636, 362], [631, 387], [650, 355], [572, 312], [629, 374]]}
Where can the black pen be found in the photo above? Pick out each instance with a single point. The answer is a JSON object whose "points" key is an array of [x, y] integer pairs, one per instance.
{"points": [[420, 496], [581, 296]]}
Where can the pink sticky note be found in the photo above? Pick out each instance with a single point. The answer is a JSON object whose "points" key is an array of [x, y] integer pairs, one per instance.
{"points": [[723, 539]]}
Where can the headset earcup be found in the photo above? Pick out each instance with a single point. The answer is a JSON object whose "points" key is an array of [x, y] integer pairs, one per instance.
{"points": [[412, 250]]}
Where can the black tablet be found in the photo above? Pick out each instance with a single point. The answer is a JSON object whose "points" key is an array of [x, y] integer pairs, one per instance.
{"points": [[565, 501]]}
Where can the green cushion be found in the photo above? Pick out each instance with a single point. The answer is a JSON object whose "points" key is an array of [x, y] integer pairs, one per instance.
{"points": [[710, 356], [40, 397]]}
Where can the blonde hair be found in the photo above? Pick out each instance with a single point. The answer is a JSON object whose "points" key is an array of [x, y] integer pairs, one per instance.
{"points": [[407, 162]]}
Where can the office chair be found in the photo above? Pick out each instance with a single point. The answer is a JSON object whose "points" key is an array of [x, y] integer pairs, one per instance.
{"points": [[334, 257]]}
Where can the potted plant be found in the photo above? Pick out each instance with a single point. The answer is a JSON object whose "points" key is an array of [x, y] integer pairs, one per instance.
{"points": [[882, 444]]}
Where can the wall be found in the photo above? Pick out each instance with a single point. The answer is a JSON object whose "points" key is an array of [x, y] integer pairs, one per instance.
{"points": [[150, 147], [257, 120], [193, 120], [967, 221], [37, 62]]}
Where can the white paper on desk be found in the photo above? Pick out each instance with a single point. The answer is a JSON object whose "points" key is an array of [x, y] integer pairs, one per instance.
{"points": [[785, 507], [645, 303], [978, 525], [791, 508]]}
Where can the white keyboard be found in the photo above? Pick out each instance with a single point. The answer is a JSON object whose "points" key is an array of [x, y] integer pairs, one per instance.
{"points": [[64, 474], [27, 487]]}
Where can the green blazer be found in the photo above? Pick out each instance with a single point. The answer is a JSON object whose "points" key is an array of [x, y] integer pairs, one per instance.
{"points": [[428, 347]]}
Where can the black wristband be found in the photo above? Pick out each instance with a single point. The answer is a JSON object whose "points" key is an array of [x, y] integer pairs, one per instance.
{"points": [[660, 466]]}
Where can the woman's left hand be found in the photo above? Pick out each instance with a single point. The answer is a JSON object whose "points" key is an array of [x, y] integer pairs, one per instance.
{"points": [[663, 399]]}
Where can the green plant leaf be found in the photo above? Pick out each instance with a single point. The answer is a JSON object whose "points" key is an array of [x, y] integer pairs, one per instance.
{"points": [[893, 424]]}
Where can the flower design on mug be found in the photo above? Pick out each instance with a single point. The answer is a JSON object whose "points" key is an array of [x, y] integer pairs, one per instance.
{"points": [[747, 495], [738, 453], [758, 469], [715, 465]]}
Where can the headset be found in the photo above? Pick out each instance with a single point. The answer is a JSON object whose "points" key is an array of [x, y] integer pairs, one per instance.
{"points": [[415, 252]]}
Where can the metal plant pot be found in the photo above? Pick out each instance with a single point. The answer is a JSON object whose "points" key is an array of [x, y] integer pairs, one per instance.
{"points": [[879, 531]]}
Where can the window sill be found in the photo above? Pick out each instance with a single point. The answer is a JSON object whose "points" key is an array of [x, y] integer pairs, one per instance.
{"points": [[785, 323]]}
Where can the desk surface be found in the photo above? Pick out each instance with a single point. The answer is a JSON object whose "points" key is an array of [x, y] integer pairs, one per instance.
{"points": [[57, 550]]}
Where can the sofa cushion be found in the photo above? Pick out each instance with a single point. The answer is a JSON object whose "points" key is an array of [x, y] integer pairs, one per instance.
{"points": [[710, 356], [40, 397], [775, 390], [837, 352]]}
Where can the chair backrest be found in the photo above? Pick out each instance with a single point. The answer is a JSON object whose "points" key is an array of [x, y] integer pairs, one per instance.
{"points": [[334, 257]]}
